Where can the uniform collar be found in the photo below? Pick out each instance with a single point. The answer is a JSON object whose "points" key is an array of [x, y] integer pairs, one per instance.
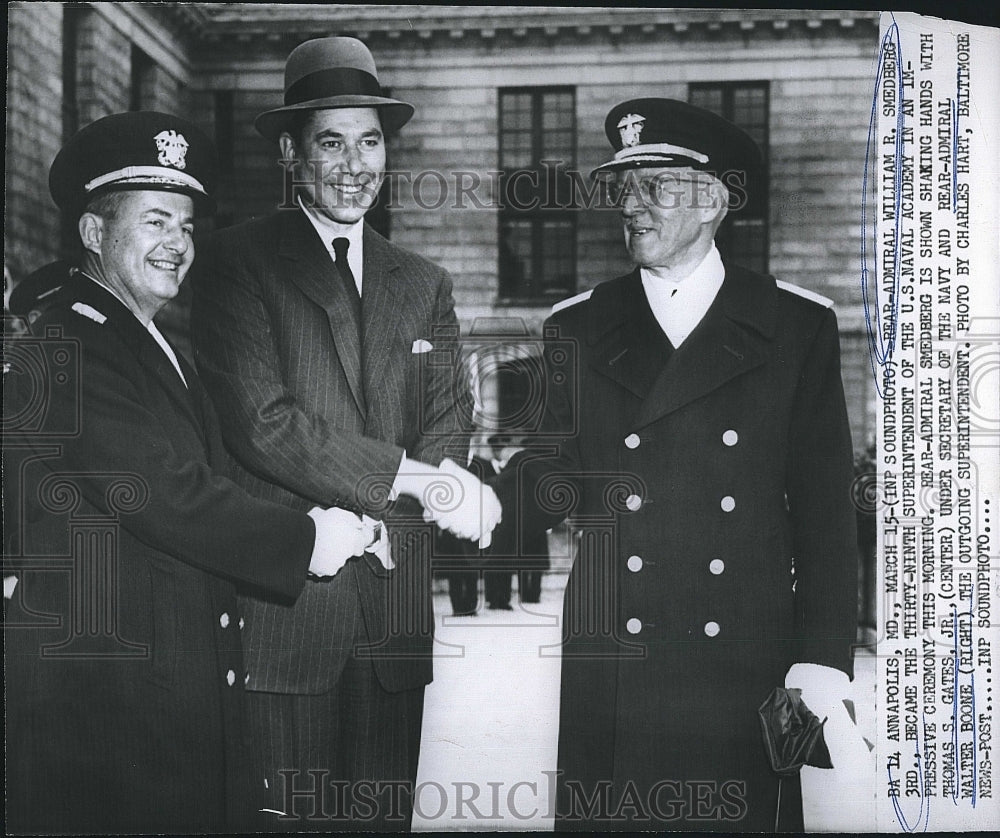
{"points": [[680, 305], [745, 297], [150, 327]]}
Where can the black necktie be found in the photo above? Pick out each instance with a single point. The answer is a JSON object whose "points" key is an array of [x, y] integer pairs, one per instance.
{"points": [[340, 246]]}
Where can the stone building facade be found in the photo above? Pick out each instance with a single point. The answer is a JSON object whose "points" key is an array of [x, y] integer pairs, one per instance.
{"points": [[496, 90]]}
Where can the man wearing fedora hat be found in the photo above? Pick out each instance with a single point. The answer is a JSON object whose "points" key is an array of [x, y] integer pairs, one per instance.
{"points": [[331, 355], [710, 472], [123, 669]]}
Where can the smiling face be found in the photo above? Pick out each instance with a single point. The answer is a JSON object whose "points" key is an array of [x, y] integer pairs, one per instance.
{"points": [[347, 146], [670, 216], [139, 244]]}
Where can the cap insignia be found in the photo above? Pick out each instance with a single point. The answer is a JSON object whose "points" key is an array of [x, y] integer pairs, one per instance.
{"points": [[630, 127], [172, 148]]}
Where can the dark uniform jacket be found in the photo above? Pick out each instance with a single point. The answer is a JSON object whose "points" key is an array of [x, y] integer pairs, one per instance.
{"points": [[712, 487], [124, 676], [315, 417]]}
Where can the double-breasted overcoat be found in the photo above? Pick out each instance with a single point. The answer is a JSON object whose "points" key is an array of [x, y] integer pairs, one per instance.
{"points": [[711, 487]]}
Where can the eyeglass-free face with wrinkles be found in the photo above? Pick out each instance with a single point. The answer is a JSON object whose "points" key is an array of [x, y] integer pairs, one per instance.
{"points": [[668, 214]]}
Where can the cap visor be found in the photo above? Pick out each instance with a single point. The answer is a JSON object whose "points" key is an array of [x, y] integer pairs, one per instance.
{"points": [[203, 204], [648, 161]]}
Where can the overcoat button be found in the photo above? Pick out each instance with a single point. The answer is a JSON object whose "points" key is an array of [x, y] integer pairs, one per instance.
{"points": [[635, 563], [716, 566], [633, 503], [224, 620], [242, 623], [728, 503], [730, 438], [230, 677], [632, 441], [711, 628], [633, 626]]}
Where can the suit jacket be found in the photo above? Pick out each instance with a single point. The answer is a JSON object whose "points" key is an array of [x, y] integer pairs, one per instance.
{"points": [[712, 487], [124, 674], [313, 420]]}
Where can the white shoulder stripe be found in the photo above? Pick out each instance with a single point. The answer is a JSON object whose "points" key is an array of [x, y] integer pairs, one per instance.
{"points": [[826, 302], [89, 312], [572, 301]]}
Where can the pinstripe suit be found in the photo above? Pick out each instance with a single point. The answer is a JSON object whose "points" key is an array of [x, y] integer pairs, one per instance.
{"points": [[313, 424]]}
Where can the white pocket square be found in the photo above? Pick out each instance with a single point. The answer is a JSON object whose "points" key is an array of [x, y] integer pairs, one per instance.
{"points": [[420, 346]]}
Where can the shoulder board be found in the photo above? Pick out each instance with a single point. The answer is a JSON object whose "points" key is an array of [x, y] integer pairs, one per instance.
{"points": [[90, 312], [826, 302], [572, 301]]}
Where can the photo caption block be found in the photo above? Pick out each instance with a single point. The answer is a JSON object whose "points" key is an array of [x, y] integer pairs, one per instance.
{"points": [[931, 303]]}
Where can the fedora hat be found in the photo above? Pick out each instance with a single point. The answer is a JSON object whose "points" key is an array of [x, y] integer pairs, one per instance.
{"points": [[331, 73]]}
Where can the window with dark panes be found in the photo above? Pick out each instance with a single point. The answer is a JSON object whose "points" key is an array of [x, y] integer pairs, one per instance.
{"points": [[141, 81], [743, 236], [537, 235]]}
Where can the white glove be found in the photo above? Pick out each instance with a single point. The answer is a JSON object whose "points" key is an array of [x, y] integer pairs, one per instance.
{"points": [[339, 536], [453, 498], [474, 511]]}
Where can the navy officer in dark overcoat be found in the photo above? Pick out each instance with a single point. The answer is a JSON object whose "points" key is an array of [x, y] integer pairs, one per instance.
{"points": [[701, 442], [123, 671]]}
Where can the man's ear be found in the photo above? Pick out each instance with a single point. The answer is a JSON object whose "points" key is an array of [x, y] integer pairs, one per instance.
{"points": [[91, 228], [718, 205], [287, 145]]}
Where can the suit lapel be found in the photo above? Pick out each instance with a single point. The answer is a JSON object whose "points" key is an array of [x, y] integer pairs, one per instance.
{"points": [[312, 272], [153, 358], [148, 352], [732, 339], [628, 345], [383, 304]]}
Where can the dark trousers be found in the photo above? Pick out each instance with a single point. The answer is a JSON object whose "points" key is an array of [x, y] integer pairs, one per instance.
{"points": [[529, 585], [463, 589], [497, 586], [345, 760]]}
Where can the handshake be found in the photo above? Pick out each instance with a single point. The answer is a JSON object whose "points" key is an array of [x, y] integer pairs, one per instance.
{"points": [[453, 498]]}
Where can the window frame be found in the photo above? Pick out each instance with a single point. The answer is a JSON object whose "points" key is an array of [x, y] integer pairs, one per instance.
{"points": [[763, 214], [553, 196]]}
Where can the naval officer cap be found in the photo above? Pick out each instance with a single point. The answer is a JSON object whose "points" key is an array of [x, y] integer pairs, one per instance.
{"points": [[667, 133], [131, 151]]}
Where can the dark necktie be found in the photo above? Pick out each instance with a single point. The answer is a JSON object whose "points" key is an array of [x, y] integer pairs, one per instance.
{"points": [[340, 246]]}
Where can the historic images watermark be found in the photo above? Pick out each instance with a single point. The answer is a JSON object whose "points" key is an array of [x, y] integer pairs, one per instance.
{"points": [[316, 797], [45, 415], [550, 186]]}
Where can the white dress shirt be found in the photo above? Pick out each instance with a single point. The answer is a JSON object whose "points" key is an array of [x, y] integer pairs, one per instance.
{"points": [[679, 306], [327, 233]]}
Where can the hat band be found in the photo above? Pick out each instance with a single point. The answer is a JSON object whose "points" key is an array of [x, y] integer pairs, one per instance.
{"points": [[335, 81], [647, 150], [146, 174]]}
